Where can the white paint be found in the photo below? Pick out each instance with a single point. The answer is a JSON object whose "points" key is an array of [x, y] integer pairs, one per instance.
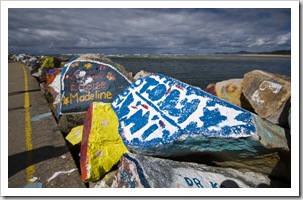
{"points": [[33, 179], [268, 85], [82, 74], [88, 167], [56, 83], [88, 80], [255, 97], [60, 172], [231, 114], [205, 177]]}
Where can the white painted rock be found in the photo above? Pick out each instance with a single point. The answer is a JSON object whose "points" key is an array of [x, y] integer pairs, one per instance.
{"points": [[162, 116], [137, 171]]}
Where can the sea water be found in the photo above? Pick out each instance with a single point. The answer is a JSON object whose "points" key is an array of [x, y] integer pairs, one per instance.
{"points": [[200, 71]]}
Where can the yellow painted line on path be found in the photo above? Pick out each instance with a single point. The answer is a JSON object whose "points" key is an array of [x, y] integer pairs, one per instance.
{"points": [[30, 170]]}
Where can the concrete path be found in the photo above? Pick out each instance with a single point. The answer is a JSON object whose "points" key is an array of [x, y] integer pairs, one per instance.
{"points": [[37, 151]]}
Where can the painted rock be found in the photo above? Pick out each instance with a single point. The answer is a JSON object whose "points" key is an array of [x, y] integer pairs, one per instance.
{"points": [[138, 171], [105, 182], [162, 116], [229, 90], [53, 89], [269, 95], [75, 136], [87, 81], [101, 145], [104, 59]]}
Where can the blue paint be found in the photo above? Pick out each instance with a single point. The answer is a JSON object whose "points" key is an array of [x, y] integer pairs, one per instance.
{"points": [[34, 185], [212, 117], [213, 185], [170, 104], [188, 181], [157, 109], [149, 82], [86, 81], [39, 117], [149, 131], [141, 175], [139, 124], [191, 182], [125, 110], [125, 180], [157, 93]]}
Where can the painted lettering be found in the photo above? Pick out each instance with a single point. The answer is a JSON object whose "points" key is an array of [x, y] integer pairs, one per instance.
{"points": [[189, 181], [197, 182], [193, 181], [71, 97], [213, 185], [72, 86], [76, 98]]}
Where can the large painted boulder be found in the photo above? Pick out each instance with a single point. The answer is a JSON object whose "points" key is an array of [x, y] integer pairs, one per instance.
{"points": [[162, 116], [269, 94], [86, 79], [138, 171], [101, 144]]}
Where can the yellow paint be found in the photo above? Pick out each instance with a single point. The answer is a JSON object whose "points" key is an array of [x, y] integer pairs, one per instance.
{"points": [[76, 98], [30, 170], [75, 135], [230, 91], [87, 65], [105, 146]]}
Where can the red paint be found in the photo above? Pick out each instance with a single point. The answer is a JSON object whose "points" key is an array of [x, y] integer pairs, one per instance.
{"points": [[102, 67], [161, 123], [179, 87], [144, 106], [135, 107], [167, 91], [85, 140]]}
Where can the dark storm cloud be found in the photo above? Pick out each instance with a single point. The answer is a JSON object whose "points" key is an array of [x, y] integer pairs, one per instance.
{"points": [[147, 30]]}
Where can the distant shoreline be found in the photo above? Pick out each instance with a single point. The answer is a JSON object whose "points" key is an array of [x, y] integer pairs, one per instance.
{"points": [[265, 55]]}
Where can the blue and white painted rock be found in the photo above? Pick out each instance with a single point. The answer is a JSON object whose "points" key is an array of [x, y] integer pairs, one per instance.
{"points": [[162, 116], [137, 171], [86, 81]]}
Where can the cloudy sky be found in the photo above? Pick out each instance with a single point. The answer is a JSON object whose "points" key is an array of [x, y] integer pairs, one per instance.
{"points": [[123, 30]]}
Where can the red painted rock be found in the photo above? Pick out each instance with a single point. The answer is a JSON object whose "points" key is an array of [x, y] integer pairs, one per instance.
{"points": [[269, 94]]}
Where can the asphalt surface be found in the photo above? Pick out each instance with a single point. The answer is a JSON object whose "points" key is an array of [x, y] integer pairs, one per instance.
{"points": [[38, 155]]}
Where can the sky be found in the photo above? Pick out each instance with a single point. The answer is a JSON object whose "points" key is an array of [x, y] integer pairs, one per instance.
{"points": [[148, 31]]}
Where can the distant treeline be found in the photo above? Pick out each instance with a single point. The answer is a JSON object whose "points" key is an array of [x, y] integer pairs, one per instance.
{"points": [[279, 52]]}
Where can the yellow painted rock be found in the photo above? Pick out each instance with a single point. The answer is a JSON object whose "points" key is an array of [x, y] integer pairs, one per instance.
{"points": [[75, 136], [101, 146], [230, 91]]}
